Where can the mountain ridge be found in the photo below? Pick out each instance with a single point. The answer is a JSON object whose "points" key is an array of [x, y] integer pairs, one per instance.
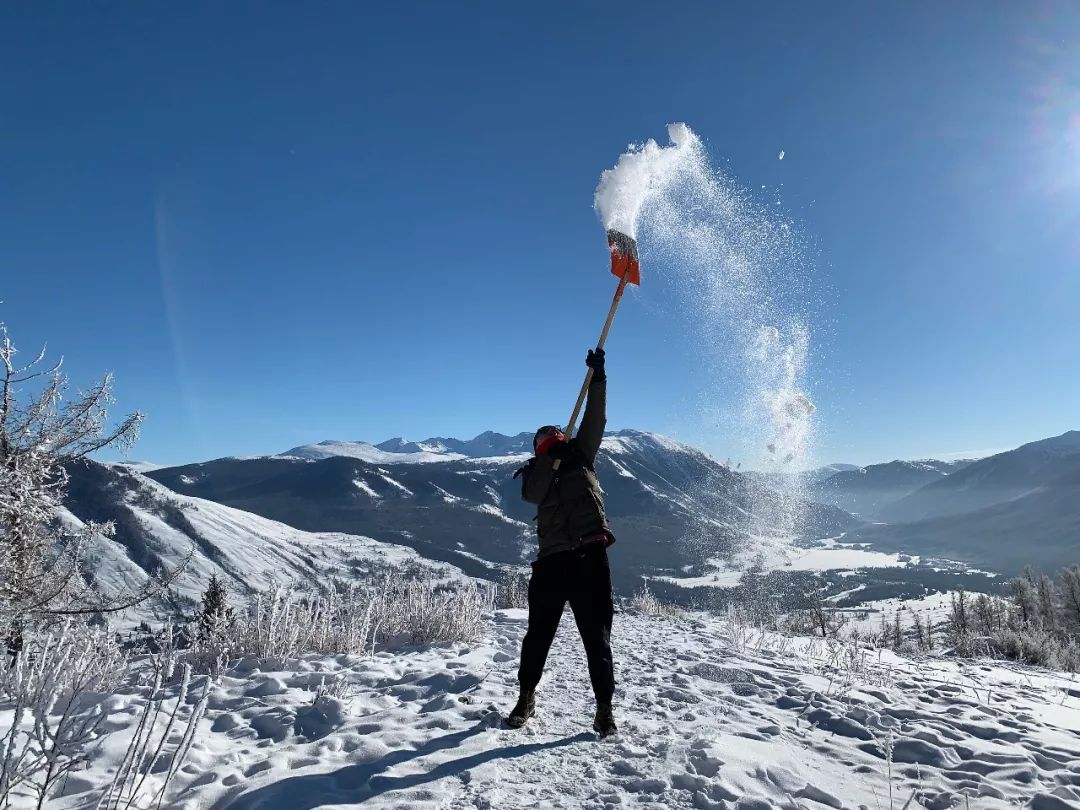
{"points": [[156, 528], [672, 506], [865, 490], [991, 480]]}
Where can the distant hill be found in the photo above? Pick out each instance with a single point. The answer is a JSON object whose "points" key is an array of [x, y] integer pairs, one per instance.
{"points": [[993, 480], [866, 491], [800, 480], [1040, 528], [157, 528]]}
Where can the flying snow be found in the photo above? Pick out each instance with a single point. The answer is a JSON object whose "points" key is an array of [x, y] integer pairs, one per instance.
{"points": [[738, 275], [640, 172]]}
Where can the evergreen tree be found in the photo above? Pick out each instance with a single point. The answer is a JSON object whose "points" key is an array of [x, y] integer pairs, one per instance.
{"points": [[215, 612]]}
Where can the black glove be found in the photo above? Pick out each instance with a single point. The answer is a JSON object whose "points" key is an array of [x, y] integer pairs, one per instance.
{"points": [[595, 361]]}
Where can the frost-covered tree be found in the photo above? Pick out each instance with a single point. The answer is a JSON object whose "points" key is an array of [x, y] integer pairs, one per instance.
{"points": [[513, 590], [817, 617], [884, 629], [989, 615], [1023, 596], [1047, 599], [918, 626], [959, 620], [43, 427], [1070, 594]]}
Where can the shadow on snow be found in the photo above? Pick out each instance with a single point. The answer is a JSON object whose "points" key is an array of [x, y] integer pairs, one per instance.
{"points": [[364, 781]]}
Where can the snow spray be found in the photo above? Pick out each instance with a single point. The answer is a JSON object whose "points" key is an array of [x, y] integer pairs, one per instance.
{"points": [[738, 273]]}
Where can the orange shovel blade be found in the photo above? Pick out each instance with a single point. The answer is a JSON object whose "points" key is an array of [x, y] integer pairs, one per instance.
{"points": [[624, 257]]}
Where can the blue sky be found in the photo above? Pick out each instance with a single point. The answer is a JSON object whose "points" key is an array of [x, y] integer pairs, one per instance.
{"points": [[279, 223]]}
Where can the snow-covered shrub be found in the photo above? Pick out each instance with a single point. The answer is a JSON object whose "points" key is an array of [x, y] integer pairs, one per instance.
{"points": [[424, 610], [645, 602], [283, 624], [286, 624], [57, 694], [513, 590], [160, 741], [51, 697], [1037, 646]]}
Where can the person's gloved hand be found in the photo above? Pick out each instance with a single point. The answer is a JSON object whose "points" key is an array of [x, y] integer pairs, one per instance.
{"points": [[595, 361], [560, 451]]}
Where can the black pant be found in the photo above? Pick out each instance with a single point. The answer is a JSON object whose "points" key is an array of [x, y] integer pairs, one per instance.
{"points": [[583, 579]]}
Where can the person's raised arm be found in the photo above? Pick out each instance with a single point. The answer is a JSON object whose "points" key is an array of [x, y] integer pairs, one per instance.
{"points": [[594, 420]]}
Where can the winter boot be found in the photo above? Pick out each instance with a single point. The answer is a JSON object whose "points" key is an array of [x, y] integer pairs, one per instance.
{"points": [[604, 721], [525, 708]]}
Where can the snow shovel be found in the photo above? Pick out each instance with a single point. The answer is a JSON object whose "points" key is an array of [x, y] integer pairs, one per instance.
{"points": [[624, 264]]}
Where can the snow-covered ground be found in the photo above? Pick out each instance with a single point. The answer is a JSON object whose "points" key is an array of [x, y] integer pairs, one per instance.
{"points": [[712, 715], [763, 554]]}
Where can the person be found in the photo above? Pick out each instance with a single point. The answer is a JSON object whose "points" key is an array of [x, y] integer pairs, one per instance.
{"points": [[572, 563]]}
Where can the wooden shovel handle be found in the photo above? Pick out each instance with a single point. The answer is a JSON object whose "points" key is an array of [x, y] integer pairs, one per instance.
{"points": [[589, 374]]}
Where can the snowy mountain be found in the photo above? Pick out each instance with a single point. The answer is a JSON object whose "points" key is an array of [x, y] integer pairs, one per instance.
{"points": [[864, 491], [803, 480], [369, 452], [672, 507], [821, 473], [137, 466], [992, 480], [1040, 528], [402, 451], [487, 444], [158, 528]]}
